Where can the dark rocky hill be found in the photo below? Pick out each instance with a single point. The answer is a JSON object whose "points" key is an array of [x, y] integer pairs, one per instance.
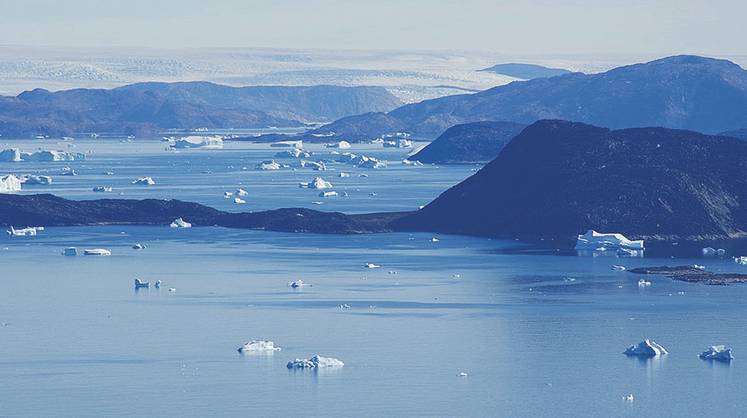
{"points": [[476, 142]]}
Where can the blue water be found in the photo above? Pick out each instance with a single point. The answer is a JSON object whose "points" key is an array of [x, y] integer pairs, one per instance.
{"points": [[76, 340]]}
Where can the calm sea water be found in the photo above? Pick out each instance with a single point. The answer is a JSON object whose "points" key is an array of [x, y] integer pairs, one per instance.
{"points": [[537, 334]]}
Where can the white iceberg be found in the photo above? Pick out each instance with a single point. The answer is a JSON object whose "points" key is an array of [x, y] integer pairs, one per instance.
{"points": [[297, 284], [402, 143], [138, 247], [372, 266], [741, 260], [15, 155], [259, 346], [287, 144], [316, 362], [293, 153], [643, 283], [317, 183], [209, 142], [139, 283], [241, 192], [9, 184], [339, 145], [646, 348], [67, 171], [70, 252], [718, 353], [597, 241], [618, 268], [103, 189], [145, 181], [10, 155], [238, 201], [30, 231], [97, 251], [412, 163], [344, 174], [31, 179], [269, 165], [330, 193], [315, 165], [180, 223], [713, 252]]}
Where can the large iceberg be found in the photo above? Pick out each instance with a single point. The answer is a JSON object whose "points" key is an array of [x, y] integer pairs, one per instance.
{"points": [[9, 184], [30, 231], [597, 241], [145, 181], [259, 347], [209, 142], [180, 223], [718, 353], [317, 183], [16, 155], [646, 348], [97, 251], [401, 143], [315, 362]]}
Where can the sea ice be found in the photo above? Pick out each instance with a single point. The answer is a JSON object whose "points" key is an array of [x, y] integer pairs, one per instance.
{"points": [[315, 362], [718, 353], [646, 348], [259, 346]]}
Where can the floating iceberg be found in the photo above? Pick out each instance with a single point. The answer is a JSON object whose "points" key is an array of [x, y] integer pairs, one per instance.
{"points": [[412, 162], [259, 346], [238, 201], [618, 268], [713, 252], [145, 181], [646, 348], [287, 144], [297, 284], [138, 247], [293, 153], [157, 284], [139, 283], [241, 192], [339, 145], [596, 241], [10, 155], [15, 155], [718, 353], [70, 252], [9, 184], [180, 223], [343, 174], [360, 160], [269, 165], [97, 251], [30, 231], [643, 283], [741, 260], [318, 183], [315, 362], [315, 165], [402, 143], [103, 189], [372, 266], [209, 142], [330, 193], [31, 179], [67, 171]]}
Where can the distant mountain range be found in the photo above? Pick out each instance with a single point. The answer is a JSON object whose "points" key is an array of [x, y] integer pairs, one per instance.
{"points": [[684, 92], [554, 180], [558, 178], [525, 71], [737, 133], [148, 108], [476, 142]]}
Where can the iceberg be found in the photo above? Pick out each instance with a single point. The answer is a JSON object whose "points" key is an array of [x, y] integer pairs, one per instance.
{"points": [[339, 145], [145, 181], [241, 192], [70, 252], [208, 142], [318, 183], [344, 174], [316, 362], [318, 166], [238, 201], [30, 231], [741, 260], [643, 283], [269, 165], [646, 348], [297, 284], [402, 143], [180, 223], [287, 144], [103, 189], [97, 251], [259, 347], [31, 179], [618, 268], [330, 193], [9, 184], [139, 283], [15, 155], [293, 153], [717, 353], [10, 155], [372, 266], [713, 252], [138, 247], [596, 241], [67, 171]]}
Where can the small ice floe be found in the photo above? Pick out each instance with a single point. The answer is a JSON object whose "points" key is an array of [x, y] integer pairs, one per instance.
{"points": [[315, 165], [717, 353], [646, 348], [316, 362], [97, 251], [239, 201], [330, 193], [371, 266], [10, 183], [297, 284], [67, 171], [180, 223], [258, 347], [569, 279], [462, 374], [698, 266], [157, 284], [30, 231], [713, 252], [344, 174], [597, 241], [228, 195], [415, 163], [643, 283], [629, 397], [40, 180], [434, 239], [70, 252], [144, 181], [141, 284], [269, 165], [138, 247], [617, 267], [103, 189], [241, 192], [344, 306], [741, 260]]}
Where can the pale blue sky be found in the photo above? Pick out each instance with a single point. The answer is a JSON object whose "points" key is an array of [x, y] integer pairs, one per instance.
{"points": [[529, 26]]}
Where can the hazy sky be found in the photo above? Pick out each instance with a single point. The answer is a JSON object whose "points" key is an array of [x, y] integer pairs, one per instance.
{"points": [[526, 26]]}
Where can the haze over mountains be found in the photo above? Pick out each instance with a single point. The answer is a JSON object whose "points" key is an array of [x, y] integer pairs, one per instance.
{"points": [[685, 92], [149, 108], [525, 71]]}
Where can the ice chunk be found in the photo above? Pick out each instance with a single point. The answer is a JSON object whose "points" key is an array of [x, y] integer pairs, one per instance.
{"points": [[10, 155], [102, 189], [330, 193], [15, 155], [402, 143], [629, 397], [239, 201], [596, 241], [643, 283], [139, 283], [297, 284], [138, 247], [315, 362], [287, 144], [646, 348], [209, 142], [319, 183], [228, 195], [30, 231], [269, 165], [293, 153], [31, 179], [146, 181], [372, 266], [67, 171], [157, 284], [462, 374], [718, 353], [741, 260], [259, 346], [412, 163], [315, 165], [344, 306], [9, 184], [339, 145], [713, 252], [70, 252], [343, 174], [97, 251], [618, 268], [241, 192], [180, 223]]}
